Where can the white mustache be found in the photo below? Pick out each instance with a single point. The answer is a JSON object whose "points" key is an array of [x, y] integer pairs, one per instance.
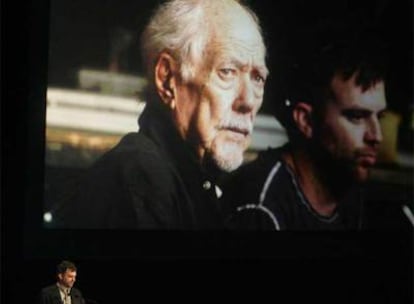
{"points": [[241, 125]]}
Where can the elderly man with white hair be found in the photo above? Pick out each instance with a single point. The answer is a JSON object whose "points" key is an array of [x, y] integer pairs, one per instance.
{"points": [[205, 63]]}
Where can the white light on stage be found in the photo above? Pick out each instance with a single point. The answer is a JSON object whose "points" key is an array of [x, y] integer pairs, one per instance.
{"points": [[47, 217]]}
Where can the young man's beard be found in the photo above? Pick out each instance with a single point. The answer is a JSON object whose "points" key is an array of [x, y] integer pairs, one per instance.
{"points": [[339, 174]]}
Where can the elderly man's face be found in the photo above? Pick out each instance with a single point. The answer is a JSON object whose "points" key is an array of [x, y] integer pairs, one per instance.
{"points": [[350, 131], [215, 111]]}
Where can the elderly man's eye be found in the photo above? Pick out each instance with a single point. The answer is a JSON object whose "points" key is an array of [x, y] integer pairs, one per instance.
{"points": [[227, 73], [259, 79]]}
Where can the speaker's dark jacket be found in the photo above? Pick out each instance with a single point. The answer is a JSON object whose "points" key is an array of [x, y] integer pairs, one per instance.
{"points": [[51, 295], [151, 180]]}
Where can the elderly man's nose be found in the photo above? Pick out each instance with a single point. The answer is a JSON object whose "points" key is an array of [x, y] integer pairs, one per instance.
{"points": [[245, 101]]}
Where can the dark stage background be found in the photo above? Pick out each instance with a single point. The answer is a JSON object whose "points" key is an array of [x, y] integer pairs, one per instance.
{"points": [[128, 266]]}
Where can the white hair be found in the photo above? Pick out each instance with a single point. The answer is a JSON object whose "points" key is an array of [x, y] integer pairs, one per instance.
{"points": [[182, 28]]}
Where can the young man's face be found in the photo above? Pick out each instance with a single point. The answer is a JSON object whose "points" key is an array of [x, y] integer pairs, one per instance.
{"points": [[68, 278], [350, 131], [215, 111]]}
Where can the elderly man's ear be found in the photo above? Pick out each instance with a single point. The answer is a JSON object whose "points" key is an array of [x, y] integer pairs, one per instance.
{"points": [[302, 115], [166, 71]]}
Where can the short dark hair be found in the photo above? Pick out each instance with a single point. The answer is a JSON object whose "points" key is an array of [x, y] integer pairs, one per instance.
{"points": [[321, 52], [65, 265]]}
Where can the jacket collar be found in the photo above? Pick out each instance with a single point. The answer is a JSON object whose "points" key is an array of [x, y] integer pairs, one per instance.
{"points": [[156, 123]]}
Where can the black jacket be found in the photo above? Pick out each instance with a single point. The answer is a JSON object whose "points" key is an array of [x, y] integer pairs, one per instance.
{"points": [[265, 195], [51, 295], [150, 180]]}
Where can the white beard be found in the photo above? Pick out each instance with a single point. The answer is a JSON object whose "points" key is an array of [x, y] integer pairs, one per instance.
{"points": [[228, 156]]}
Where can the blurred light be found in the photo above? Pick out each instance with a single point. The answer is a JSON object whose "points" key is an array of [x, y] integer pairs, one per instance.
{"points": [[74, 138], [47, 217], [79, 110], [409, 214]]}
